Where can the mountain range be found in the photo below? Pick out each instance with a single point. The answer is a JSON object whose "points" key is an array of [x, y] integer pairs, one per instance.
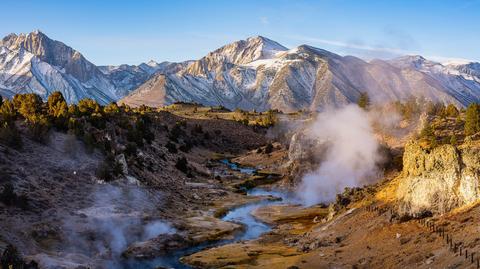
{"points": [[35, 63], [256, 73]]}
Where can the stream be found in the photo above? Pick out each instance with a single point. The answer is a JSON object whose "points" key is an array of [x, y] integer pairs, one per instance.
{"points": [[252, 227]]}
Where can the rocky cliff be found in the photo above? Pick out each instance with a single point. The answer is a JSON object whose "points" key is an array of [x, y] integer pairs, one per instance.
{"points": [[438, 180]]}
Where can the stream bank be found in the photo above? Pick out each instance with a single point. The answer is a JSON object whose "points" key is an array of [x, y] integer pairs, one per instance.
{"points": [[240, 214]]}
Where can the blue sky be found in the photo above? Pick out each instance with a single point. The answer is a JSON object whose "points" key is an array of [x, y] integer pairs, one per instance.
{"points": [[115, 32]]}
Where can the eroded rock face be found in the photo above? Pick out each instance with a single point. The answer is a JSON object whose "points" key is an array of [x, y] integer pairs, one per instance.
{"points": [[304, 155], [439, 180]]}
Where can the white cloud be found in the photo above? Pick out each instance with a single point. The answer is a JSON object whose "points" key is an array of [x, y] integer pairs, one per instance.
{"points": [[376, 51], [264, 20]]}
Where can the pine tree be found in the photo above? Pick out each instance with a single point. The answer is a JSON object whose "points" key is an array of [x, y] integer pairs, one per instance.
{"points": [[451, 111], [363, 100], [111, 108], [7, 111], [453, 140], [88, 106], [472, 119], [28, 104], [427, 131], [57, 106], [57, 110]]}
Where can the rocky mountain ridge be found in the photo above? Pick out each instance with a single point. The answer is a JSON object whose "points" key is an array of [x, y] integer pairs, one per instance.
{"points": [[35, 63], [258, 73]]}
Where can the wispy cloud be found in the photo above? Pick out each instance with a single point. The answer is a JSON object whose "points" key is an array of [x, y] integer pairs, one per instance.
{"points": [[369, 51], [264, 20], [350, 45]]}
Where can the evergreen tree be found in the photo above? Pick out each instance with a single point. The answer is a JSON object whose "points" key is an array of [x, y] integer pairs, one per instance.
{"points": [[111, 108], [1, 100], [73, 110], [88, 106], [427, 131], [7, 111], [363, 100], [472, 119], [453, 140], [57, 106], [58, 110], [451, 111], [28, 104]]}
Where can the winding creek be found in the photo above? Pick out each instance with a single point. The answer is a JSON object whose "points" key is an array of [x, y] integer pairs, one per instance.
{"points": [[253, 228]]}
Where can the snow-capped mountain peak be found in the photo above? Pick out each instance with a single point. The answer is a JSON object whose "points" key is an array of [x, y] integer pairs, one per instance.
{"points": [[258, 73], [43, 65]]}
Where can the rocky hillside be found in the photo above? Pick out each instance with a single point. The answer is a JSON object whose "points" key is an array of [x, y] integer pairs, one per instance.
{"points": [[441, 164], [258, 73], [86, 191]]}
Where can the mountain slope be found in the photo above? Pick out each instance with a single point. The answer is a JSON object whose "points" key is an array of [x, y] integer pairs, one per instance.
{"points": [[258, 73], [35, 63]]}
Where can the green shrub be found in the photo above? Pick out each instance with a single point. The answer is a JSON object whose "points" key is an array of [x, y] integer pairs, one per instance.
{"points": [[7, 111], [88, 106], [134, 135], [97, 120], [11, 259], [364, 100], [73, 110], [58, 110], [142, 124], [433, 109], [472, 119], [197, 129], [269, 148], [75, 126], [172, 148], [8, 196], [176, 132], [186, 147], [89, 141], [57, 106], [451, 111], [131, 149], [453, 140], [22, 201], [10, 136], [39, 128], [109, 169], [182, 165], [28, 104], [111, 108]]}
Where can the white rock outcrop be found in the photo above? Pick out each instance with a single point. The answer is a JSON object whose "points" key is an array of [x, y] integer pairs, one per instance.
{"points": [[438, 180]]}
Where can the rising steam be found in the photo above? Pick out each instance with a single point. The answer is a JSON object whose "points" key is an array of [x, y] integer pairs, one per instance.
{"points": [[113, 222], [350, 158]]}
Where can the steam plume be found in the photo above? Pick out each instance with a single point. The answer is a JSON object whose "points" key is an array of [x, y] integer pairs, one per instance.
{"points": [[350, 158]]}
